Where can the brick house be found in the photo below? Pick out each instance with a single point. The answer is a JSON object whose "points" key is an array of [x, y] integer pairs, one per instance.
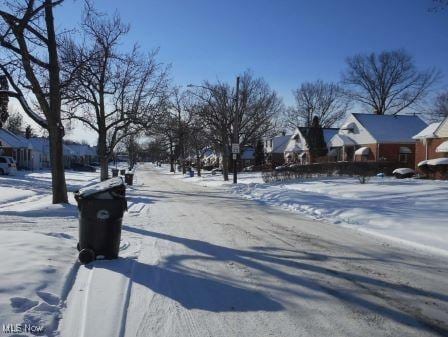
{"points": [[432, 143], [297, 149], [370, 137]]}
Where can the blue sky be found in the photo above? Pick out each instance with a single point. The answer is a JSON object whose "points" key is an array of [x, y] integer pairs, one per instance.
{"points": [[285, 41]]}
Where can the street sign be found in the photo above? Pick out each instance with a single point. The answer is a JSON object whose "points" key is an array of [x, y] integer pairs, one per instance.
{"points": [[235, 148], [234, 155]]}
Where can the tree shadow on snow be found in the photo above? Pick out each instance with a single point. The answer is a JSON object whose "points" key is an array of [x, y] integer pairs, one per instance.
{"points": [[191, 291], [176, 281]]}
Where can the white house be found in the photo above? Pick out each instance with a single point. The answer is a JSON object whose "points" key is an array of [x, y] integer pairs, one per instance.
{"points": [[297, 148], [274, 149], [42, 145], [21, 149]]}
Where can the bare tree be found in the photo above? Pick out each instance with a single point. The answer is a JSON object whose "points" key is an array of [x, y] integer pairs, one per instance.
{"points": [[327, 101], [387, 83], [30, 63], [440, 108], [15, 123], [115, 94], [259, 106], [166, 132]]}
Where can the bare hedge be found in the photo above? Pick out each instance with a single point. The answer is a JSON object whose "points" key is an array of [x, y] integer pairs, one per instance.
{"points": [[357, 169]]}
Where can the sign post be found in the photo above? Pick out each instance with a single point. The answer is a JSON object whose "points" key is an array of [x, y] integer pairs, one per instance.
{"points": [[236, 132]]}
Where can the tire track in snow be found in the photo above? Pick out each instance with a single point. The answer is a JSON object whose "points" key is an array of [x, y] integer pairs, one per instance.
{"points": [[102, 309]]}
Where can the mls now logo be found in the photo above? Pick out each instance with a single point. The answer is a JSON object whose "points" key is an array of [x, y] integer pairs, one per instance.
{"points": [[22, 328]]}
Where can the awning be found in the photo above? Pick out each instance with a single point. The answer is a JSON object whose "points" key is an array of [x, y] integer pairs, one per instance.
{"points": [[422, 163], [405, 150], [438, 161], [362, 151], [442, 147]]}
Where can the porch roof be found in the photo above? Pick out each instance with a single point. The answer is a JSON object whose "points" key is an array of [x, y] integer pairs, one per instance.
{"points": [[339, 140]]}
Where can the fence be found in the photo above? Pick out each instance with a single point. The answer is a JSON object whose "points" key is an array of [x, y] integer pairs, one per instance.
{"points": [[363, 170]]}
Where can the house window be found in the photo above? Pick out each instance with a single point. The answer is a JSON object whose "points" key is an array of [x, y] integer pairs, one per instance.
{"points": [[403, 157]]}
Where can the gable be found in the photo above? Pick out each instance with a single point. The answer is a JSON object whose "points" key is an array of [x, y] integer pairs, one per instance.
{"points": [[356, 131], [442, 130], [391, 128]]}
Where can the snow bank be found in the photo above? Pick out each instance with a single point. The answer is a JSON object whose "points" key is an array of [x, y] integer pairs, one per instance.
{"points": [[410, 211], [403, 171], [34, 279]]}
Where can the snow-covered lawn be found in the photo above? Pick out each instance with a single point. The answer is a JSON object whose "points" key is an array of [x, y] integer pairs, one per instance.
{"points": [[409, 210], [38, 248]]}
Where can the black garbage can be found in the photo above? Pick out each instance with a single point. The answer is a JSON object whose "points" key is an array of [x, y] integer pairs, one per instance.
{"points": [[114, 172], [122, 172], [129, 178], [101, 207]]}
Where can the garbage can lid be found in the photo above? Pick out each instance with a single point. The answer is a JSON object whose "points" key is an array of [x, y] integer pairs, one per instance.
{"points": [[104, 186]]}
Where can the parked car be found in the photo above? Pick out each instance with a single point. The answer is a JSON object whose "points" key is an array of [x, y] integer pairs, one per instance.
{"points": [[83, 167], [95, 163], [7, 165]]}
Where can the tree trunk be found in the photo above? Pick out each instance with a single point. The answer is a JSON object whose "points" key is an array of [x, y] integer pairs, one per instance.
{"points": [[103, 157], [198, 165], [171, 158], [225, 167], [59, 186], [55, 127]]}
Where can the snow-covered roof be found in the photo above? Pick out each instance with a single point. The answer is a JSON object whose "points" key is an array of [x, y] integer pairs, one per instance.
{"points": [[433, 162], [438, 161], [248, 154], [442, 147], [428, 132], [391, 128], [279, 143], [81, 150], [329, 133], [42, 144], [9, 139], [339, 140], [362, 151]]}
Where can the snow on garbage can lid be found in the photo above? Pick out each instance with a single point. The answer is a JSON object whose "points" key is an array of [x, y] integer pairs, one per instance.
{"points": [[97, 188]]}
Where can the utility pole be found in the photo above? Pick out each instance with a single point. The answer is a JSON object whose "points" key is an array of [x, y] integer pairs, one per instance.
{"points": [[236, 140]]}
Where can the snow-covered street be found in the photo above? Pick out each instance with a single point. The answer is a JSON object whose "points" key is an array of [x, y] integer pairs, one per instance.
{"points": [[409, 211], [198, 261]]}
